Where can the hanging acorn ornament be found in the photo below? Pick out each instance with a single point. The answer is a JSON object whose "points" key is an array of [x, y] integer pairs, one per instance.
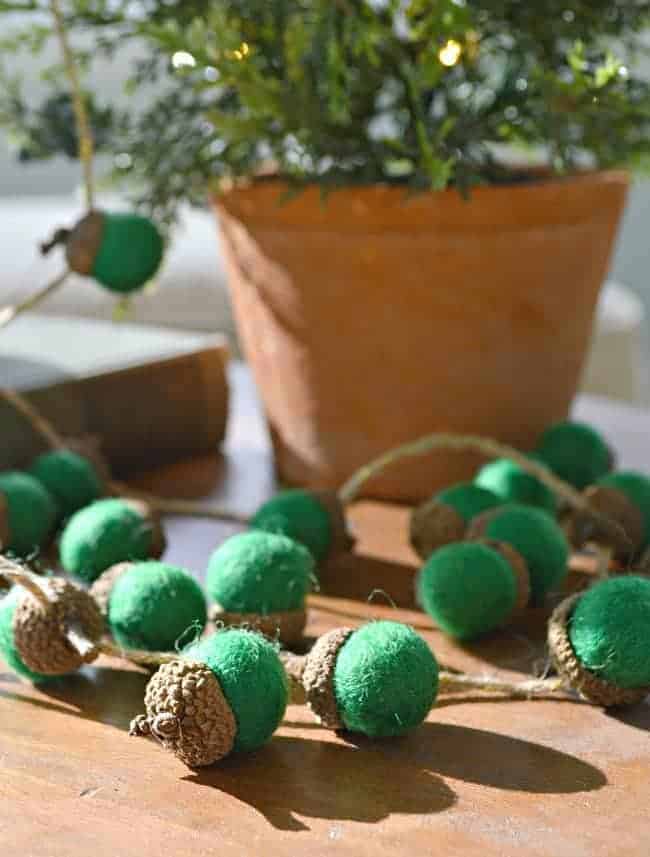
{"points": [[226, 694]]}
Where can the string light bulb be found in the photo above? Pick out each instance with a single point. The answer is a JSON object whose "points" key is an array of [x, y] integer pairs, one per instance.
{"points": [[450, 53]]}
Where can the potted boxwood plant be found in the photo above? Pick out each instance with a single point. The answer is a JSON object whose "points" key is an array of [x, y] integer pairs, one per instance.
{"points": [[393, 270]]}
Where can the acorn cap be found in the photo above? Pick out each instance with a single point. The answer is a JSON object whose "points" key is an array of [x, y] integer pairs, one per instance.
{"points": [[580, 527], [318, 676], [40, 630], [103, 586], [284, 625], [520, 569], [187, 712], [83, 243], [588, 685], [148, 513], [342, 540], [433, 525], [89, 447]]}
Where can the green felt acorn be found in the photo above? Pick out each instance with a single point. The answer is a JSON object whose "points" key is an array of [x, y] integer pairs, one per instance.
{"points": [[316, 520], [533, 534], [471, 588], [28, 513], [49, 629], [121, 250], [512, 484], [575, 452], [150, 605], [108, 532], [636, 488], [599, 641], [261, 579], [226, 694], [73, 480], [380, 680], [444, 518]]}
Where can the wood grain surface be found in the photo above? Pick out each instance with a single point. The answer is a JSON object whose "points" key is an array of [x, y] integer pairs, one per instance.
{"points": [[481, 778]]}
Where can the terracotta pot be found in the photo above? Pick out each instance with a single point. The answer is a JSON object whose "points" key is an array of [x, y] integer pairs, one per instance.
{"points": [[373, 319]]}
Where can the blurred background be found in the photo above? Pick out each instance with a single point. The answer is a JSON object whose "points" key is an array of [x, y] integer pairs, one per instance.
{"points": [[36, 197]]}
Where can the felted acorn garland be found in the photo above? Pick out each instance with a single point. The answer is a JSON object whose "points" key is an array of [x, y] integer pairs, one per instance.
{"points": [[261, 579], [226, 694], [50, 627], [108, 532], [150, 605]]}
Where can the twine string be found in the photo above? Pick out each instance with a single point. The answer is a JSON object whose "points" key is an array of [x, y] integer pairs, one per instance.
{"points": [[12, 311], [488, 447]]}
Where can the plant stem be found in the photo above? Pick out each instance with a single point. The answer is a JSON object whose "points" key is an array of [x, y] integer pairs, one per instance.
{"points": [[9, 313], [84, 132]]}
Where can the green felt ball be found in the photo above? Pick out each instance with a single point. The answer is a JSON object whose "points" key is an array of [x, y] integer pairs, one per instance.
{"points": [[8, 649], [575, 452], [299, 515], [609, 630], [252, 679], [469, 499], [513, 485], [32, 512], [101, 535], [156, 606], [129, 254], [385, 680], [259, 572], [540, 541], [468, 589], [70, 478], [636, 487]]}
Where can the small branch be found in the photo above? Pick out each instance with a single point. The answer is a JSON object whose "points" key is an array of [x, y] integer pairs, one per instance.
{"points": [[11, 312], [84, 132], [349, 491]]}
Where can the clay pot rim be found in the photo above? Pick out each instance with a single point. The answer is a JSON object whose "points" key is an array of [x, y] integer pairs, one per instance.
{"points": [[552, 200]]}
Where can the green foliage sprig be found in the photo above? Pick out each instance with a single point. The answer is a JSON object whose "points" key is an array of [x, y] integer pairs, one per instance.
{"points": [[424, 93]]}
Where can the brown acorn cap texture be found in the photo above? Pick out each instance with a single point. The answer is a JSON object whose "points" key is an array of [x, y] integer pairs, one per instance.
{"points": [[566, 662], [103, 586], [83, 243], [40, 630], [187, 712], [520, 569], [433, 525], [148, 513], [318, 676], [582, 528], [285, 625]]}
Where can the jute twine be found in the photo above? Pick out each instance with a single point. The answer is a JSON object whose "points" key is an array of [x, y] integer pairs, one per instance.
{"points": [[318, 677], [103, 586], [285, 625], [433, 525], [587, 684], [41, 628], [187, 712]]}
